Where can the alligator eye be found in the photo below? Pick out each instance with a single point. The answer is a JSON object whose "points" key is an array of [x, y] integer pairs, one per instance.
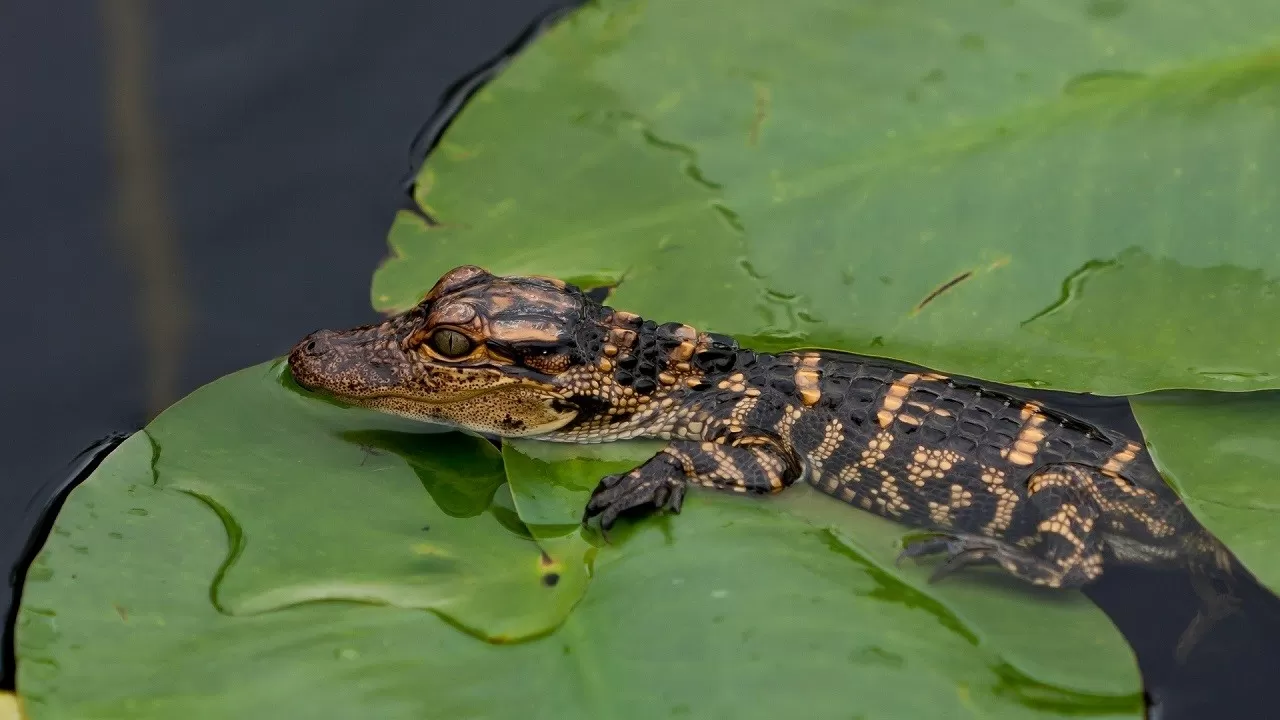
{"points": [[451, 343]]}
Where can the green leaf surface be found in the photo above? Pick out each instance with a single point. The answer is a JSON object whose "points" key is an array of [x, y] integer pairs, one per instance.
{"points": [[1078, 195], [1222, 454], [255, 548], [1072, 195], [991, 610], [301, 502], [303, 469]]}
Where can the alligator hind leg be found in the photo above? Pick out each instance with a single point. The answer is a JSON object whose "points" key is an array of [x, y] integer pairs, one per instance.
{"points": [[1064, 551], [753, 465]]}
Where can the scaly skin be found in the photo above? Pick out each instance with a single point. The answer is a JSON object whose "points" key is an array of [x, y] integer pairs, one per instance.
{"points": [[1000, 480]]}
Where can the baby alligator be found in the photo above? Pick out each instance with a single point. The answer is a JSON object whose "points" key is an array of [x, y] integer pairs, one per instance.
{"points": [[999, 480]]}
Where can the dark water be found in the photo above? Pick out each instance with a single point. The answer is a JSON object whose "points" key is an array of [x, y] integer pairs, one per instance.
{"points": [[1230, 670], [268, 143], [280, 139]]}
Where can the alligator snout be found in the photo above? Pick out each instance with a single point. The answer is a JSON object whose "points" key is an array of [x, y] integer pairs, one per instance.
{"points": [[308, 357]]}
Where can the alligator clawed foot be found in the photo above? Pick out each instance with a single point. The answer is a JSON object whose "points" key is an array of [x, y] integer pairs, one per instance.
{"points": [[633, 491], [961, 551]]}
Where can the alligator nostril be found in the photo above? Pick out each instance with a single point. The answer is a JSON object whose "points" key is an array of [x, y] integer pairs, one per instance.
{"points": [[315, 346]]}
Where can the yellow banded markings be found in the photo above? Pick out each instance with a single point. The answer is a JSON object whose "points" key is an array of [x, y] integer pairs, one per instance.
{"points": [[788, 420], [726, 469], [1027, 444], [1117, 461], [807, 380], [734, 383], [741, 409], [772, 466], [1006, 500], [930, 465], [888, 497], [960, 498], [876, 448], [832, 436], [1064, 523], [894, 399]]}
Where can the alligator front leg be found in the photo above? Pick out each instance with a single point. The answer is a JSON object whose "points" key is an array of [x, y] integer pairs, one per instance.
{"points": [[748, 465]]}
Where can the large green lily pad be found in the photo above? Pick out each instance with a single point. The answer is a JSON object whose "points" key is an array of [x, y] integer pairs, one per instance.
{"points": [[551, 485], [255, 548], [1092, 189], [1079, 196], [1222, 454]]}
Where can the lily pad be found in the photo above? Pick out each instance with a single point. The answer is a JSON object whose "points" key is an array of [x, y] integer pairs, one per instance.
{"points": [[286, 484], [255, 547], [991, 611], [300, 507], [1221, 452], [1015, 191], [732, 610]]}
